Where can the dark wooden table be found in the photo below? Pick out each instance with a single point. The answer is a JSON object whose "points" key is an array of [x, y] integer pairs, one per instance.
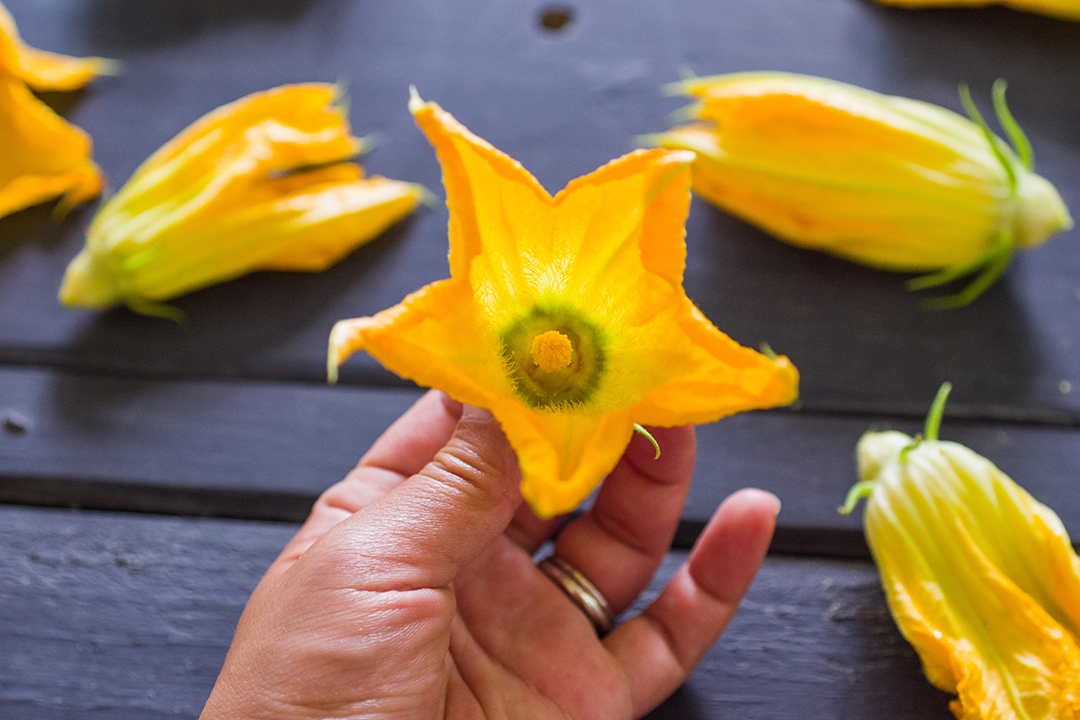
{"points": [[149, 472]]}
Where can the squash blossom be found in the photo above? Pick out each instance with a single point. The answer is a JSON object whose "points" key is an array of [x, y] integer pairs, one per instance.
{"points": [[43, 155], [980, 577], [565, 316], [885, 181], [44, 70], [1062, 9], [259, 184]]}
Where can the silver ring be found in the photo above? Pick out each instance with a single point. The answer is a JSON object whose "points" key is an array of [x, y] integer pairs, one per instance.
{"points": [[580, 591]]}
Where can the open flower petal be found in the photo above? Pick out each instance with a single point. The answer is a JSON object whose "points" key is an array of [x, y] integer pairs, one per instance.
{"points": [[44, 70], [565, 315], [722, 369], [424, 339], [44, 155]]}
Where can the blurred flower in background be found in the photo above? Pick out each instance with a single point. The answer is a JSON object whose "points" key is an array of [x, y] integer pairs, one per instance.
{"points": [[42, 156], [263, 183], [885, 181]]}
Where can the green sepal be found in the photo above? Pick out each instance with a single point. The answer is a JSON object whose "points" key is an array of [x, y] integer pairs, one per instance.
{"points": [[858, 491], [646, 433], [993, 270], [995, 260], [994, 140], [993, 263], [933, 421], [1019, 139], [906, 450], [153, 308]]}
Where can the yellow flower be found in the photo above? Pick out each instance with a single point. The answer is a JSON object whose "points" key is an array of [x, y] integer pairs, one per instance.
{"points": [[259, 184], [885, 181], [565, 316], [980, 577], [1063, 9], [43, 70], [43, 155]]}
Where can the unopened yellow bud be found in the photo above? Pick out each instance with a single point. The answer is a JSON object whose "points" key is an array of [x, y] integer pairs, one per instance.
{"points": [[980, 577], [263, 183], [885, 181]]}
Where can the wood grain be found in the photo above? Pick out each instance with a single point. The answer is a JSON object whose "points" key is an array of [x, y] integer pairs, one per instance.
{"points": [[265, 450], [106, 615], [241, 449], [123, 615]]}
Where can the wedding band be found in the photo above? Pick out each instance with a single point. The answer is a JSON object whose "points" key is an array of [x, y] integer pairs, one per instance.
{"points": [[580, 591]]}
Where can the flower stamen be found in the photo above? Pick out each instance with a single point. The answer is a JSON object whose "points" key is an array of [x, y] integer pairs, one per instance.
{"points": [[552, 351], [554, 355]]}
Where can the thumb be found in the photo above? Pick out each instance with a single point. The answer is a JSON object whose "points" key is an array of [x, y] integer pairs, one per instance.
{"points": [[426, 529]]}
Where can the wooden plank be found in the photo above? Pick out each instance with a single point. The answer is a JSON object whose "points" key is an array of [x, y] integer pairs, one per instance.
{"points": [[809, 462], [563, 103], [812, 639], [250, 449], [266, 450], [115, 616], [124, 616]]}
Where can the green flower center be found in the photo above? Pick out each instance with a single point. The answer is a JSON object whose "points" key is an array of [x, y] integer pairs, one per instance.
{"points": [[553, 355]]}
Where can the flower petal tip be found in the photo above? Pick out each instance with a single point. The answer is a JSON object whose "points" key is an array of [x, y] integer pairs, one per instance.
{"points": [[677, 157], [416, 103]]}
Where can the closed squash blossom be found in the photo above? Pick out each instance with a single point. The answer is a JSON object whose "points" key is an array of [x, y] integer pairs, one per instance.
{"points": [[260, 184], [885, 181], [980, 577]]}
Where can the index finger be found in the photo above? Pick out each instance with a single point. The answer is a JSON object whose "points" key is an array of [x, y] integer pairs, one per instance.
{"points": [[414, 438], [400, 452]]}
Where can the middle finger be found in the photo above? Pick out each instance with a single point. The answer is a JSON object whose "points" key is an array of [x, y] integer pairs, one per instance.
{"points": [[619, 543]]}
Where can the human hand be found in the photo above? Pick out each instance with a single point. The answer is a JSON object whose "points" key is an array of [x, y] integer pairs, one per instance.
{"points": [[410, 592]]}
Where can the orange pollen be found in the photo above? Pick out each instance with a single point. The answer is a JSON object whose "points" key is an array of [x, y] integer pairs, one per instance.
{"points": [[552, 351]]}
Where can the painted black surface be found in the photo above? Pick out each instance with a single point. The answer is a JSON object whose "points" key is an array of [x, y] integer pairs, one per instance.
{"points": [[563, 103], [265, 450], [111, 615], [190, 438], [120, 616]]}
